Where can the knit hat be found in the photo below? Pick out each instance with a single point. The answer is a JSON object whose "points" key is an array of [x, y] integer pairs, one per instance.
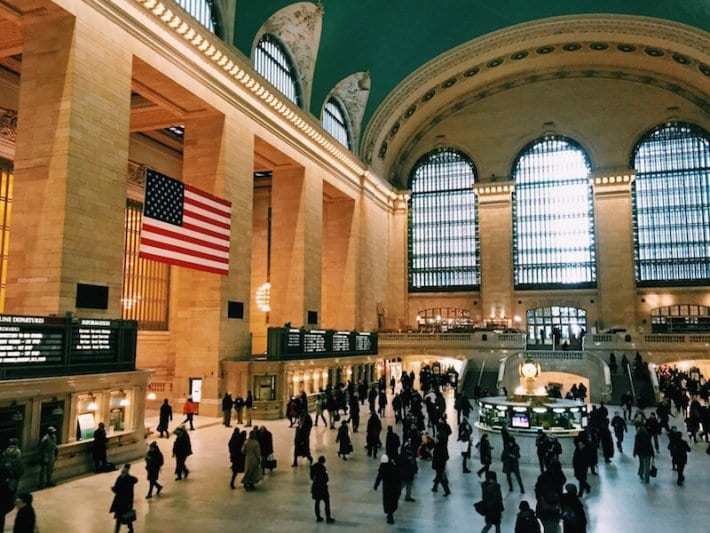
{"points": [[385, 459]]}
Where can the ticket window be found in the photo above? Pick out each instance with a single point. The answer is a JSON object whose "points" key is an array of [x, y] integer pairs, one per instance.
{"points": [[265, 388], [119, 410], [52, 414], [86, 409], [12, 423]]}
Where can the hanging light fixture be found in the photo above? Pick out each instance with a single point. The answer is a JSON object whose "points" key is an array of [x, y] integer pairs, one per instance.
{"points": [[124, 402], [93, 406], [151, 396], [263, 297]]}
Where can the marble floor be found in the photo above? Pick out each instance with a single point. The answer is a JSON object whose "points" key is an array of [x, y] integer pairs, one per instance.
{"points": [[619, 502]]}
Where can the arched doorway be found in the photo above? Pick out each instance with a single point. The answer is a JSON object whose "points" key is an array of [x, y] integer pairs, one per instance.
{"points": [[553, 325]]}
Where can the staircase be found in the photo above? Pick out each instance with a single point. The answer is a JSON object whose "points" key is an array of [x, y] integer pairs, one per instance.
{"points": [[489, 381]]}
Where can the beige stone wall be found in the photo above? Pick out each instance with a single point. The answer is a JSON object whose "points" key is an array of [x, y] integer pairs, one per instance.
{"points": [[339, 253]]}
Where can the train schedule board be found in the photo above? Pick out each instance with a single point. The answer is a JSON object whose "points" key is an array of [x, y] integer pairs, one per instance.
{"points": [[302, 343]]}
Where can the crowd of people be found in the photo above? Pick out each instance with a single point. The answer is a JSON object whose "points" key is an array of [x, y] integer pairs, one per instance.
{"points": [[420, 434]]}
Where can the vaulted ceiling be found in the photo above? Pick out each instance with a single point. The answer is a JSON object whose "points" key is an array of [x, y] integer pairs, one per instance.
{"points": [[393, 38]]}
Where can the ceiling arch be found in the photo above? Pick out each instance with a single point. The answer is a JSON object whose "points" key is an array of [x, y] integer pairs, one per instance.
{"points": [[661, 53]]}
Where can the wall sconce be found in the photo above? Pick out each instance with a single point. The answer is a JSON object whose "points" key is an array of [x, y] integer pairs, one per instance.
{"points": [[324, 374], [17, 416], [263, 297], [93, 406], [124, 402], [151, 396], [57, 410]]}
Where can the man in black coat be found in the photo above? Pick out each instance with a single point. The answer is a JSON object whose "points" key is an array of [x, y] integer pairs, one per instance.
{"points": [[374, 427], [391, 487], [319, 489], [123, 499], [166, 416], [227, 404], [99, 448]]}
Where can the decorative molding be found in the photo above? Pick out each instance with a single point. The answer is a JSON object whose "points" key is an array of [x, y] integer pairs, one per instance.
{"points": [[501, 50], [8, 125], [299, 27], [353, 92], [136, 174]]}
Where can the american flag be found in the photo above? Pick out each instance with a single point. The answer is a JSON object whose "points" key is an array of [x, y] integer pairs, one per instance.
{"points": [[184, 226]]}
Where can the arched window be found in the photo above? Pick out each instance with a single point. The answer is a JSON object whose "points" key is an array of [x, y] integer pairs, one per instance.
{"points": [[206, 12], [443, 223], [272, 60], [671, 206], [553, 222], [335, 121]]}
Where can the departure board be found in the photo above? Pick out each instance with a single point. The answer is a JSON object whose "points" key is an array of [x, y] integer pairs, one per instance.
{"points": [[34, 346], [293, 342], [31, 340]]}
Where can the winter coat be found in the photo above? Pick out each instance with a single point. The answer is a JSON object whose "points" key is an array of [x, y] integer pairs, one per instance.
{"points": [[252, 461], [391, 487], [493, 501], [319, 477], [236, 455], [153, 462], [343, 439], [123, 495]]}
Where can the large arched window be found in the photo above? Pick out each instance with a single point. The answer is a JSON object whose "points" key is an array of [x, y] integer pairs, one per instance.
{"points": [[206, 12], [553, 221], [443, 223], [671, 206], [335, 121], [273, 61]]}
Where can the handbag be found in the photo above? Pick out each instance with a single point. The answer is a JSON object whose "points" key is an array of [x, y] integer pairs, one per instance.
{"points": [[480, 507], [128, 516], [654, 470]]}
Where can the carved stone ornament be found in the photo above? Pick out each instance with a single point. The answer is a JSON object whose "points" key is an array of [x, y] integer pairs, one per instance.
{"points": [[353, 92], [8, 125], [299, 27]]}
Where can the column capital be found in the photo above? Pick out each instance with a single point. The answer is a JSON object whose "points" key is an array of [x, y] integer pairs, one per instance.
{"points": [[612, 182], [494, 192]]}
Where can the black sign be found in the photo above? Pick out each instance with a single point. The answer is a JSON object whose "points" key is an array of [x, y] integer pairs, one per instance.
{"points": [[31, 340], [32, 346], [319, 343]]}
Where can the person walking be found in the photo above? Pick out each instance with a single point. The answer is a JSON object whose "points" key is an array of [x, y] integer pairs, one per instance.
{"points": [[302, 440], [154, 461], [249, 407], [122, 505], [464, 437], [48, 452], [492, 502], [510, 458], [319, 489], [581, 462], [548, 491], [542, 444], [679, 449], [620, 427], [252, 462], [227, 404], [643, 448], [486, 453], [391, 488], [182, 449], [189, 410], [236, 455], [343, 439], [25, 519], [526, 521], [407, 468], [372, 439], [438, 464], [98, 449], [166, 416], [11, 470], [574, 519]]}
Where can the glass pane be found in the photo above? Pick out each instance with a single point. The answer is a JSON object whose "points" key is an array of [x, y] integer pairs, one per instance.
{"points": [[335, 123], [553, 222], [271, 60], [671, 205], [443, 223]]}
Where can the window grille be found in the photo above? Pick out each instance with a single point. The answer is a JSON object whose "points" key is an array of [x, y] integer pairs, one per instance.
{"points": [[271, 60], [145, 282], [544, 322], [206, 13], [671, 206], [6, 180], [335, 122], [553, 218], [443, 224]]}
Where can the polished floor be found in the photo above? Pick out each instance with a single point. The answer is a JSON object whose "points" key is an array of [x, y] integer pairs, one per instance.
{"points": [[619, 501]]}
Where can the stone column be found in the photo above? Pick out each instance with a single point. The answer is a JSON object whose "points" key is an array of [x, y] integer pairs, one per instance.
{"points": [[218, 159], [495, 225], [296, 228], [339, 262], [615, 248], [70, 167], [397, 312]]}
